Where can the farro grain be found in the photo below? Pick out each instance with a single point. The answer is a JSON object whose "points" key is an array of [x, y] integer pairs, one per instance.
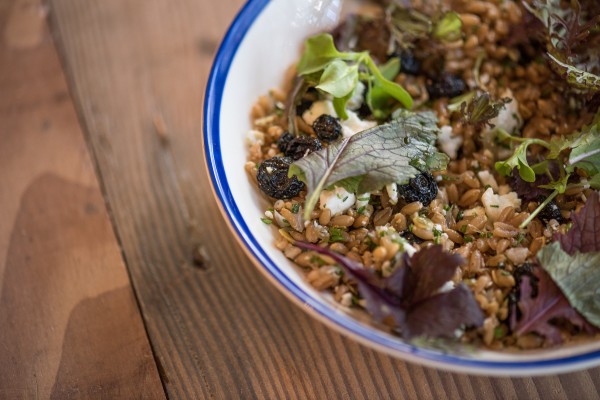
{"points": [[399, 222], [297, 235], [382, 217], [338, 248], [411, 208], [469, 20], [469, 197], [496, 260], [325, 216], [504, 230], [536, 245], [342, 221], [292, 252]]}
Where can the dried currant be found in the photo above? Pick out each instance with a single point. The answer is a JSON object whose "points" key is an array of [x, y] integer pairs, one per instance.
{"points": [[272, 177], [301, 146], [421, 188], [550, 211], [284, 140], [409, 64], [327, 128], [446, 85]]}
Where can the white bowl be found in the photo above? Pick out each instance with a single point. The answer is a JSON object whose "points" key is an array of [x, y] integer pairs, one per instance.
{"points": [[263, 40]]}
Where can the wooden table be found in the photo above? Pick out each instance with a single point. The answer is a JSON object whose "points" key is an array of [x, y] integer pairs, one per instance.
{"points": [[118, 277]]}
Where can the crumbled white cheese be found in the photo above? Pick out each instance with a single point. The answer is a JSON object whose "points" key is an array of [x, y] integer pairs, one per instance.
{"points": [[448, 142], [392, 191], [269, 214], [337, 200], [408, 248], [488, 179], [509, 118], [254, 136], [269, 170], [494, 203], [350, 126]]}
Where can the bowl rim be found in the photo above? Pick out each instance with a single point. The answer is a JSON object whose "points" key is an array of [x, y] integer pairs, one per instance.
{"points": [[346, 325]]}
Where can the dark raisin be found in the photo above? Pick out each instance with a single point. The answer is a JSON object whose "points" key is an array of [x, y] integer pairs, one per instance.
{"points": [[272, 177], [446, 85], [284, 140], [327, 128], [551, 211], [421, 188], [411, 237], [302, 145], [409, 64]]}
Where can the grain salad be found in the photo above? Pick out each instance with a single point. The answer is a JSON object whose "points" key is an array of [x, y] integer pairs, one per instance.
{"points": [[437, 163]]}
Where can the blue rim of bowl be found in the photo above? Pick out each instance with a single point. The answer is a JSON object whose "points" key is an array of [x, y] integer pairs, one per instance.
{"points": [[211, 125]]}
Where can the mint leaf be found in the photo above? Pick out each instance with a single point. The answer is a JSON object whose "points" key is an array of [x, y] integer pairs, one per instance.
{"points": [[319, 50], [577, 275], [377, 156], [339, 79], [411, 295]]}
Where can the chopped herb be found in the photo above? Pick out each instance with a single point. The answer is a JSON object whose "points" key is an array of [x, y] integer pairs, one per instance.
{"points": [[463, 228], [460, 215], [520, 238], [296, 208], [361, 210], [336, 235], [494, 205], [468, 239], [337, 73], [267, 221], [317, 260]]}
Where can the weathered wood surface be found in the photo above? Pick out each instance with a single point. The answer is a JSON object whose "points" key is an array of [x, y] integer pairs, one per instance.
{"points": [[70, 326], [137, 70]]}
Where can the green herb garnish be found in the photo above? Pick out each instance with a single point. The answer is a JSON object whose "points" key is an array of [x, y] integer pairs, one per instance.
{"points": [[337, 73]]}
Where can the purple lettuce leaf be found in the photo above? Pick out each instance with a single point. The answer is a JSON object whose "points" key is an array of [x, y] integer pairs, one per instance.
{"points": [[411, 295], [584, 235], [538, 312]]}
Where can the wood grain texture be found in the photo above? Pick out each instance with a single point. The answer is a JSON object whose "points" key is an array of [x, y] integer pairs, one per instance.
{"points": [[138, 70], [69, 323]]}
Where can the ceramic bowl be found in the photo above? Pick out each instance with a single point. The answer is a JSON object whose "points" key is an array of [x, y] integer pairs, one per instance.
{"points": [[263, 40]]}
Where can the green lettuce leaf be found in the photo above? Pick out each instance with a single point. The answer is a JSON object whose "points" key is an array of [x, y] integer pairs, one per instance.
{"points": [[393, 152], [577, 276]]}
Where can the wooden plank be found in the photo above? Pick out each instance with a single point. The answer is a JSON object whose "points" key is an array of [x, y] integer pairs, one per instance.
{"points": [[69, 323], [219, 329]]}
